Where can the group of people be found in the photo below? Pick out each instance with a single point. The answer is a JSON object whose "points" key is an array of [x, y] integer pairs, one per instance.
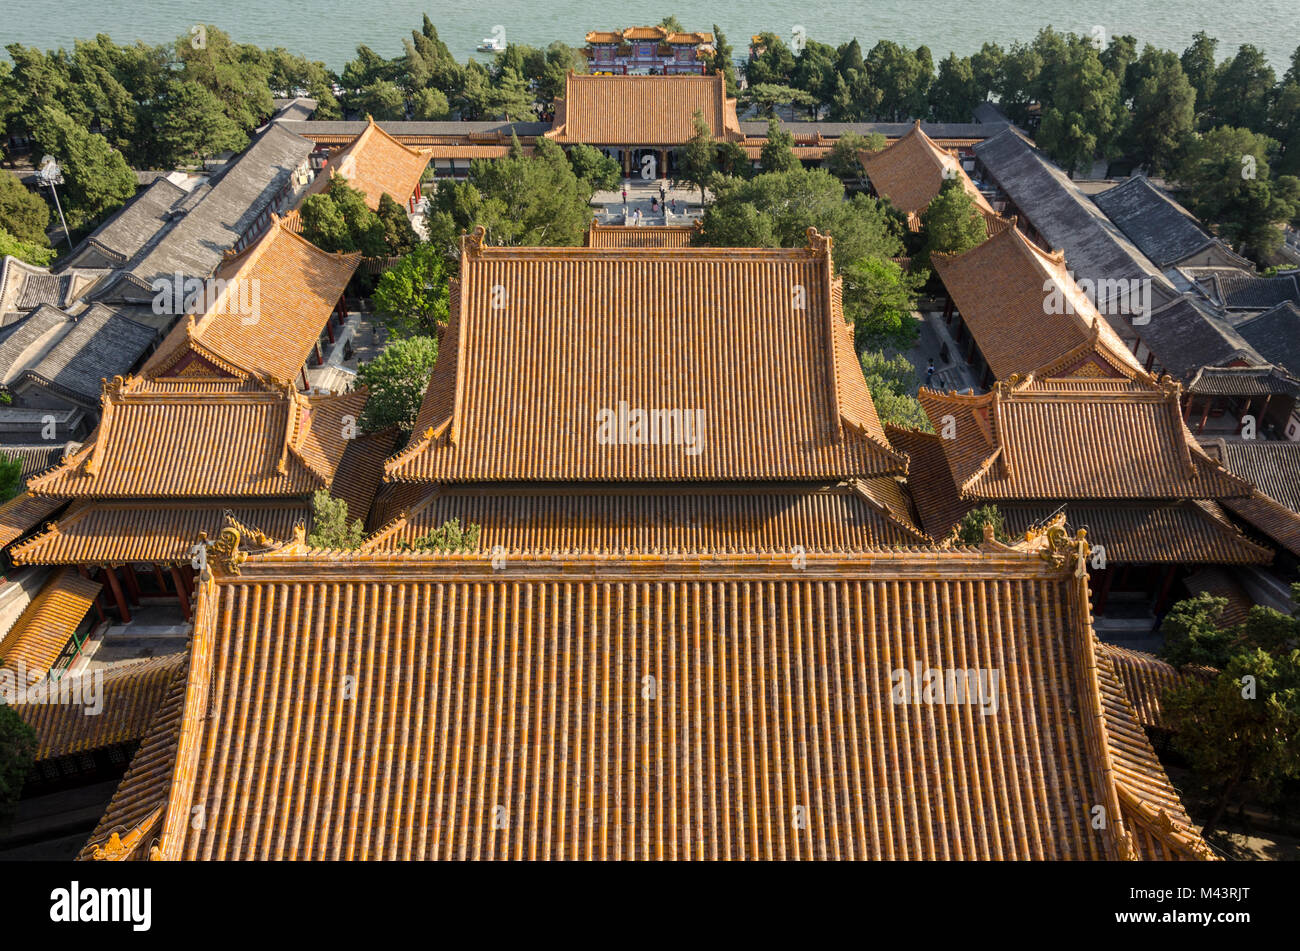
{"points": [[657, 205]]}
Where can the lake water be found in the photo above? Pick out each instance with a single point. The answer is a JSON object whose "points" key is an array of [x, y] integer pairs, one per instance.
{"points": [[330, 30]]}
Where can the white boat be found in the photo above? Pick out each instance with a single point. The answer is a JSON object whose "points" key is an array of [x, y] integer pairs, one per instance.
{"points": [[491, 44]]}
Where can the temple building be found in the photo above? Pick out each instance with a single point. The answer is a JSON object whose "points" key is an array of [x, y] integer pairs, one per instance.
{"points": [[173, 455], [1100, 441], [376, 164], [633, 118], [264, 314], [647, 50], [760, 431], [911, 170], [691, 706]]}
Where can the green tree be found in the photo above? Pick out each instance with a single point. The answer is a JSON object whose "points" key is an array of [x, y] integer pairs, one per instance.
{"points": [[723, 61], [509, 98], [1199, 65], [903, 78], [190, 122], [776, 209], [430, 105], [17, 753], [23, 214], [986, 69], [338, 219], [951, 223], [1164, 110], [593, 166], [399, 235], [39, 254], [970, 530], [412, 295], [397, 379], [382, 100], [891, 381], [880, 298], [842, 160], [1226, 172], [1236, 728], [774, 65], [955, 93], [1243, 88], [97, 180], [1081, 107], [777, 154], [237, 74], [767, 96], [449, 536], [519, 200], [695, 160], [329, 523], [11, 477], [292, 75]]}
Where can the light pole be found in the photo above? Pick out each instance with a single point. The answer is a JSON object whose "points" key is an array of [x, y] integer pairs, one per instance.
{"points": [[50, 174]]}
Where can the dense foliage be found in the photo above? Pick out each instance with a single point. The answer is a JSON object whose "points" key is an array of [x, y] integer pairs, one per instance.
{"points": [[1236, 727], [397, 379]]}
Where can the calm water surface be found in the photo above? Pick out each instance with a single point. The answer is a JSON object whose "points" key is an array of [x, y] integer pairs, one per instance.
{"points": [[330, 30]]}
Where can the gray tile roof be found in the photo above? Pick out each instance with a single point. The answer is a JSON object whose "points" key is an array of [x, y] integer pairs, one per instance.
{"points": [[1244, 381], [38, 457], [25, 341], [894, 130], [1094, 247], [1242, 291], [218, 214], [1276, 335], [122, 236], [1162, 229], [1273, 465], [352, 128], [101, 344], [1185, 336], [40, 289]]}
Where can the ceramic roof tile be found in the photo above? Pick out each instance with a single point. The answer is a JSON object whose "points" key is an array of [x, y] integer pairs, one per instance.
{"points": [[911, 171], [753, 341], [643, 110], [619, 236], [46, 625], [772, 733], [129, 699], [375, 164], [617, 518]]}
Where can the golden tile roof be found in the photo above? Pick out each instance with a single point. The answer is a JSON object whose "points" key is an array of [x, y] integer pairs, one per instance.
{"points": [[131, 696], [375, 163], [619, 236], [24, 512], [295, 286], [1145, 678], [1026, 440], [620, 517], [1001, 290], [517, 389], [153, 440], [135, 812], [911, 170], [643, 110], [46, 625], [139, 530], [748, 715], [1156, 824]]}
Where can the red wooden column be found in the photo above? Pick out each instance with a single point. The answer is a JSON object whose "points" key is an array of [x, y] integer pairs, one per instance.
{"points": [[181, 594], [118, 595], [132, 583]]}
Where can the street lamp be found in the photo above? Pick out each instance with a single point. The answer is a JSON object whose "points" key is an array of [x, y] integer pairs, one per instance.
{"points": [[50, 174]]}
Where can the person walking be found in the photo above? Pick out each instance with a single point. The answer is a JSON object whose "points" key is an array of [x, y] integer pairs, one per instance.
{"points": [[663, 194], [929, 372]]}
